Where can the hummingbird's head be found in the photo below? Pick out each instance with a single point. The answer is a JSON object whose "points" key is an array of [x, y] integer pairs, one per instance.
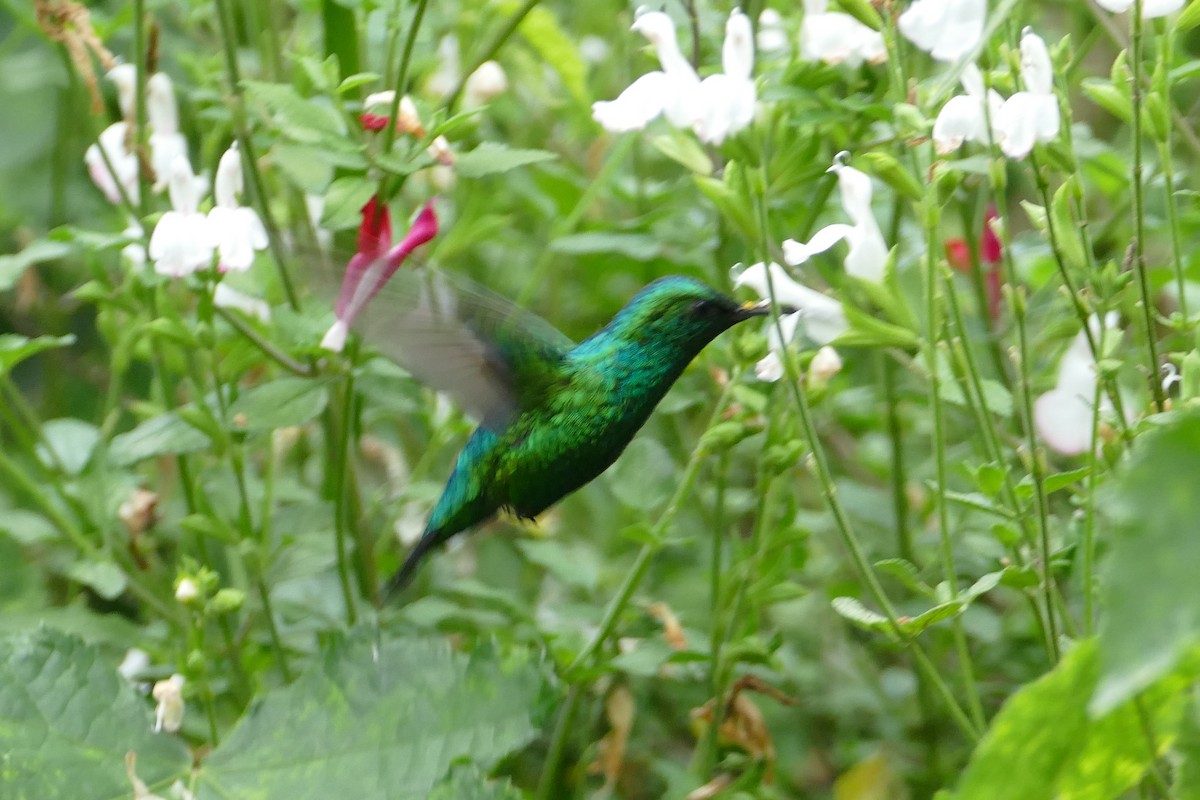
{"points": [[683, 311]]}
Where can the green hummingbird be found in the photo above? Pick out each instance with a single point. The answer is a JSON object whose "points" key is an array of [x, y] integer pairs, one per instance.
{"points": [[553, 414]]}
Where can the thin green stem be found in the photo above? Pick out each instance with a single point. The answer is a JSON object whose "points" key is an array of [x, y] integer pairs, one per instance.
{"points": [[548, 781], [1146, 299], [265, 346], [488, 51], [338, 468], [641, 563], [241, 129], [933, 332], [401, 85]]}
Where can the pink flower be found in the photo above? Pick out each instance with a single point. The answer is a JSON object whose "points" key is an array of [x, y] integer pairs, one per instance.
{"points": [[375, 261]]}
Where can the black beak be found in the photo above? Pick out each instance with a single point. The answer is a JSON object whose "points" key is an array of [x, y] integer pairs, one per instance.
{"points": [[761, 309]]}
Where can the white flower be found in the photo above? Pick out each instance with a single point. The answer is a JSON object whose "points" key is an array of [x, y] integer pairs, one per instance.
{"points": [[225, 296], [771, 36], [124, 77], [237, 229], [964, 118], [168, 714], [946, 29], [822, 317], [134, 663], [671, 91], [484, 84], [186, 591], [1032, 115], [868, 252], [1063, 415], [183, 240], [124, 173], [726, 101], [446, 76], [1150, 8], [834, 37], [166, 142], [825, 364]]}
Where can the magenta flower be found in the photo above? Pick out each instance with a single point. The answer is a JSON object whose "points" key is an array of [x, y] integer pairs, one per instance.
{"points": [[376, 261]]}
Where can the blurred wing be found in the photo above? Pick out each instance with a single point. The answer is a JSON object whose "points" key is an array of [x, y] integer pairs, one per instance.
{"points": [[493, 357]]}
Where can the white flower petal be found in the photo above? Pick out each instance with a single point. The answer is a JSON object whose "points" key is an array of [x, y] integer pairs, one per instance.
{"points": [[960, 120], [161, 110], [867, 257], [796, 253], [723, 106], [821, 316], [1016, 127], [1037, 72], [238, 232], [771, 36], [769, 368], [1063, 419], [946, 29], [335, 338], [836, 37], [737, 52], [855, 189], [484, 84], [225, 296], [181, 244], [112, 141], [634, 108], [659, 30], [228, 183]]}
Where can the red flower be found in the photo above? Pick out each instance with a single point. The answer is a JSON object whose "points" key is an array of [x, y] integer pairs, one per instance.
{"points": [[959, 257], [376, 261]]}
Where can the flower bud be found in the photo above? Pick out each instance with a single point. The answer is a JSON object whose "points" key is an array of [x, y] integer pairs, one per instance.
{"points": [[187, 592]]}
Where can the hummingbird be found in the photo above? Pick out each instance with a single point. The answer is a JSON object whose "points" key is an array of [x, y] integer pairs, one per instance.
{"points": [[552, 414]]}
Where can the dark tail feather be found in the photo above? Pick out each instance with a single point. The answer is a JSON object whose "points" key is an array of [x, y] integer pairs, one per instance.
{"points": [[399, 581]]}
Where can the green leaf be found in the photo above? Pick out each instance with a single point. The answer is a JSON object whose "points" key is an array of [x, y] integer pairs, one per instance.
{"points": [[645, 475], [366, 716], [572, 564], [301, 119], [490, 158], [282, 403], [104, 577], [1042, 744], [469, 783], [14, 349], [67, 719], [1189, 18], [69, 444], [37, 252], [541, 31], [867, 330], [852, 609], [344, 202], [356, 80], [158, 436], [1066, 228], [685, 150], [636, 246], [1153, 608]]}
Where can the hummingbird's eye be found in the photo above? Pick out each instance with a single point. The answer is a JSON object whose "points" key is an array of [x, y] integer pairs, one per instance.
{"points": [[704, 308]]}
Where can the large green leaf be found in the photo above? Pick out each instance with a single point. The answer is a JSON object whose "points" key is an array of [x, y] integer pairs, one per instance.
{"points": [[67, 719], [14, 349], [1043, 744], [490, 158], [279, 404], [1152, 608], [162, 435], [370, 720]]}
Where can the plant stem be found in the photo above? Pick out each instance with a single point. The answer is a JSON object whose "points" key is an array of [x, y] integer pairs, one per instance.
{"points": [[637, 571], [1139, 209], [488, 51]]}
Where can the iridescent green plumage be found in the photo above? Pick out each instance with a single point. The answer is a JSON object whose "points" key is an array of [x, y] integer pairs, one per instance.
{"points": [[554, 415]]}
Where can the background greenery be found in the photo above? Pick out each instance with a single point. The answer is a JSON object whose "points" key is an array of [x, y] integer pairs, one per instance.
{"points": [[877, 586]]}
